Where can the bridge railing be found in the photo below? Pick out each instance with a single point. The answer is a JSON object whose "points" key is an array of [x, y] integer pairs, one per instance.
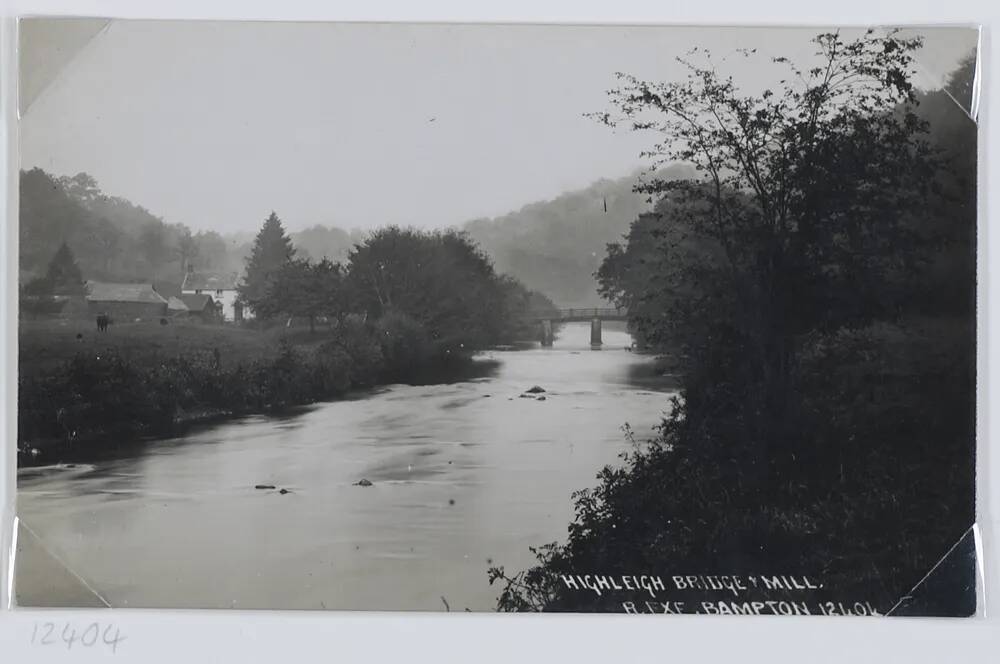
{"points": [[583, 313]]}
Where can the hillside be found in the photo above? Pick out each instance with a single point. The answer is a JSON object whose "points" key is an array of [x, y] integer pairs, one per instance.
{"points": [[556, 246]]}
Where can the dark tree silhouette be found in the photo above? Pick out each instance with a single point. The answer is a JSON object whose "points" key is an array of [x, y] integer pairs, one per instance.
{"points": [[272, 249], [813, 283], [308, 290], [63, 276]]}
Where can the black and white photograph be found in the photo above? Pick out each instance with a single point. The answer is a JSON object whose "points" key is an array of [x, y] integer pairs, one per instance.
{"points": [[464, 317]]}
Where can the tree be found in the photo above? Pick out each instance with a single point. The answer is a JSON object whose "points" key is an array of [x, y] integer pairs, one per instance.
{"points": [[306, 289], [555, 246], [187, 249], [442, 280], [48, 216], [806, 188], [825, 396], [320, 242], [272, 249], [153, 243], [63, 276], [82, 186]]}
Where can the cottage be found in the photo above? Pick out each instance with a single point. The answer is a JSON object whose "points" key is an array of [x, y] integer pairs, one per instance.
{"points": [[125, 301], [222, 289], [202, 306]]}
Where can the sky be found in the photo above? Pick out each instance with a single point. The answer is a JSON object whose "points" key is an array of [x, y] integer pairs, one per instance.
{"points": [[359, 125]]}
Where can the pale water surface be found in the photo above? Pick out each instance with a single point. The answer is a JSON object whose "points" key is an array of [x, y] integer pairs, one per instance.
{"points": [[463, 475]]}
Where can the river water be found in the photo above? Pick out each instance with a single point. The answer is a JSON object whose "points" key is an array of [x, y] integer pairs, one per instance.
{"points": [[463, 476]]}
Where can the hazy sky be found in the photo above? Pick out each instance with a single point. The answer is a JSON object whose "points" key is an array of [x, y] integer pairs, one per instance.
{"points": [[215, 124]]}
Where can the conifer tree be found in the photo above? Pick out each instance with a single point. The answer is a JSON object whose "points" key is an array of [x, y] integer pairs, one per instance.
{"points": [[63, 276], [272, 249]]}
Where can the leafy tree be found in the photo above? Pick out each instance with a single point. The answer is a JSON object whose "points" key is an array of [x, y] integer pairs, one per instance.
{"points": [[827, 385], [112, 238], [405, 346], [186, 249], [215, 252], [153, 242], [82, 187], [319, 242], [308, 290], [272, 249], [441, 280], [521, 309], [49, 216], [806, 188]]}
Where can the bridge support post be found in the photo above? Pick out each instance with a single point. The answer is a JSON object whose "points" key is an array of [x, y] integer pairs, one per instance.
{"points": [[547, 333], [595, 334]]}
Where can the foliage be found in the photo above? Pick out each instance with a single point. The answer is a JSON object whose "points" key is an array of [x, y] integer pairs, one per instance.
{"points": [[441, 280], [272, 250], [111, 238], [404, 342], [308, 290], [358, 342], [63, 276], [523, 308], [101, 391], [814, 283], [555, 246], [319, 242]]}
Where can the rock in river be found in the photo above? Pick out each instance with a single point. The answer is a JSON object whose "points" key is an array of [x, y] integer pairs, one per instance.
{"points": [[362, 483], [535, 390]]}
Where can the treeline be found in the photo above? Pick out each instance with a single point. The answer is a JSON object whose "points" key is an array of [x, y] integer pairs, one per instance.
{"points": [[552, 246], [111, 238], [407, 306], [816, 287], [116, 240], [439, 284], [556, 246]]}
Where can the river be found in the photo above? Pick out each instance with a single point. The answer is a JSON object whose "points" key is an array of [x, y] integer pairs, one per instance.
{"points": [[463, 476]]}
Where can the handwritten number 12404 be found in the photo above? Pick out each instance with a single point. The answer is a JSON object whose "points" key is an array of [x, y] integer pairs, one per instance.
{"points": [[67, 634]]}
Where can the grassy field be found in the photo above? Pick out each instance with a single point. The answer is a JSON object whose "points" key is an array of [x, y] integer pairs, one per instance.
{"points": [[83, 392], [44, 345]]}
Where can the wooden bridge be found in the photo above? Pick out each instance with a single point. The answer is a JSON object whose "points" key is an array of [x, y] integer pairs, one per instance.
{"points": [[594, 315]]}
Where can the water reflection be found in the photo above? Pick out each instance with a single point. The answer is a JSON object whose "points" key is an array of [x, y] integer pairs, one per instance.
{"points": [[460, 474]]}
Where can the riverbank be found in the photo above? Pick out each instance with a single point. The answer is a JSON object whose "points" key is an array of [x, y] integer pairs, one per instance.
{"points": [[461, 474], [82, 392]]}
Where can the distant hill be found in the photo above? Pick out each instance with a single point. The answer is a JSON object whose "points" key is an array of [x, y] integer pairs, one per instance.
{"points": [[556, 246], [553, 247]]}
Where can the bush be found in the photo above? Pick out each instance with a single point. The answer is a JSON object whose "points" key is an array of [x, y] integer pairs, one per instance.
{"points": [[406, 347], [96, 394], [358, 341], [874, 488]]}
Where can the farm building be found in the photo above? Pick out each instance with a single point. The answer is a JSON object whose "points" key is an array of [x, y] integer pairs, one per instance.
{"points": [[202, 306], [222, 289], [125, 301], [175, 307]]}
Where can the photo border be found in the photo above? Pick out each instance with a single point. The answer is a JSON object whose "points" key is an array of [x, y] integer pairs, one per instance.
{"points": [[172, 636]]}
